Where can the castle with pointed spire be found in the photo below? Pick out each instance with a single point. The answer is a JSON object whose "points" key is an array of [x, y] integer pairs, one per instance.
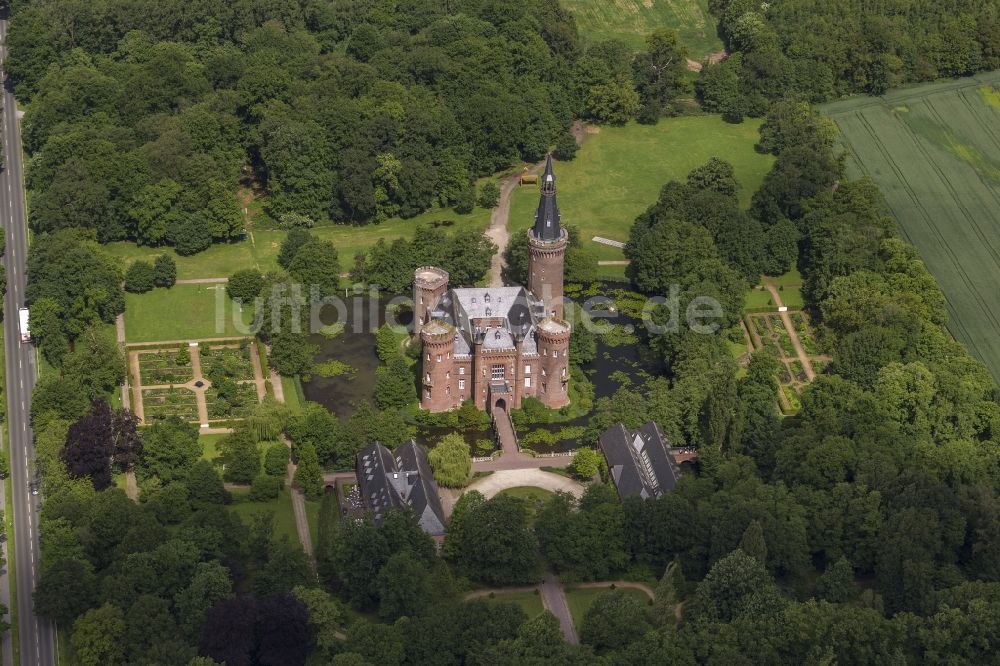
{"points": [[498, 345]]}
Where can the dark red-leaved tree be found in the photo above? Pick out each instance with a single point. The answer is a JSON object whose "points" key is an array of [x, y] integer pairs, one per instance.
{"points": [[88, 447], [229, 634]]}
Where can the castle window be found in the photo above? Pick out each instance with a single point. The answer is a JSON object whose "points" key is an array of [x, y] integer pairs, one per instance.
{"points": [[428, 376], [447, 390], [486, 298], [428, 393], [527, 382], [543, 372], [497, 372], [461, 370], [543, 387], [489, 312], [447, 375], [439, 358], [564, 372], [428, 357], [527, 369], [497, 335], [461, 384]]}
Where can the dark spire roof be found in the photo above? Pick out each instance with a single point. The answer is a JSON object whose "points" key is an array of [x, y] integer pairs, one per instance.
{"points": [[547, 217]]}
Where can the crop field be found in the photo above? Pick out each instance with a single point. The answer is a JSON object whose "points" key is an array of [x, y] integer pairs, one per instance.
{"points": [[631, 20], [935, 152]]}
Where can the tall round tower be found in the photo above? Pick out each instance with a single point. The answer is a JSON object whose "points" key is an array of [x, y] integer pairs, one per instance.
{"points": [[547, 242], [553, 350], [429, 285], [435, 378]]}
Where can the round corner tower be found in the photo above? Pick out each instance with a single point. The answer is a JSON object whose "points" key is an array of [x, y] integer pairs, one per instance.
{"points": [[435, 379], [553, 349], [547, 242], [429, 285]]}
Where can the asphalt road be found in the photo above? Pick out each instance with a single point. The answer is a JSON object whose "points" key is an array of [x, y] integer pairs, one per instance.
{"points": [[37, 636]]}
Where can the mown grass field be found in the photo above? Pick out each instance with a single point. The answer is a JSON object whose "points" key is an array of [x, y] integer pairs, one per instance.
{"points": [[260, 249], [619, 171], [631, 20], [935, 152], [529, 602], [183, 312]]}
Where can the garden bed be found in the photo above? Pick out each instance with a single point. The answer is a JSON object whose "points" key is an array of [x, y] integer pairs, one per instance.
{"points": [[169, 366], [170, 401]]}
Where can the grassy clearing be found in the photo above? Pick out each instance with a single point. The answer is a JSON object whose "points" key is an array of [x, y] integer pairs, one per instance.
{"points": [[281, 508], [210, 446], [618, 173], [260, 250], [935, 152], [292, 388], [759, 299], [530, 602], [631, 20], [579, 599], [791, 297], [183, 312]]}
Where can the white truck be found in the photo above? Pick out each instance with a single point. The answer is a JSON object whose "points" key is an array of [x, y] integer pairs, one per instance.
{"points": [[22, 315]]}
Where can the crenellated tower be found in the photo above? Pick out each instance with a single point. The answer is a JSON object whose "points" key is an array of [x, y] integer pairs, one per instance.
{"points": [[553, 352], [429, 285], [547, 242], [436, 393]]}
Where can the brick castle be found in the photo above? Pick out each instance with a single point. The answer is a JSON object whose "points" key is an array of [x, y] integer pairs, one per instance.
{"points": [[498, 345]]}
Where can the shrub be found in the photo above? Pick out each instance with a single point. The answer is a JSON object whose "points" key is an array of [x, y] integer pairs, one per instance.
{"points": [[139, 277], [489, 195], [566, 147], [245, 285], [164, 271], [265, 487], [466, 201], [276, 460]]}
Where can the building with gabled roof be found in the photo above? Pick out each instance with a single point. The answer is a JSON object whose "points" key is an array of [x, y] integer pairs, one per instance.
{"points": [[400, 479], [497, 345], [639, 461]]}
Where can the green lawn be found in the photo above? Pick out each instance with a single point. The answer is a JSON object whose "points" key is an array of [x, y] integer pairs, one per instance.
{"points": [[284, 516], [260, 250], [209, 446], [618, 173], [792, 297], [631, 20], [790, 279], [183, 312], [758, 299], [579, 599], [291, 387], [530, 602], [934, 152]]}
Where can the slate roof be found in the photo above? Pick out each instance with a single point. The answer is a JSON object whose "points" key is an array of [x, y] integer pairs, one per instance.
{"points": [[517, 309], [401, 480], [638, 461], [547, 216]]}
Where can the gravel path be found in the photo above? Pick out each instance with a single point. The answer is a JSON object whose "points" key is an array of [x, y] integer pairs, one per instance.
{"points": [[497, 231]]}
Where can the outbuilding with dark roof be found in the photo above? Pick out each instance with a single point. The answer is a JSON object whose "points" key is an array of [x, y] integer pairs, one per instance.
{"points": [[400, 479], [639, 461]]}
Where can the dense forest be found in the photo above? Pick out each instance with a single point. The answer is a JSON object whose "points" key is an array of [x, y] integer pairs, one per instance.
{"points": [[143, 115], [862, 530]]}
